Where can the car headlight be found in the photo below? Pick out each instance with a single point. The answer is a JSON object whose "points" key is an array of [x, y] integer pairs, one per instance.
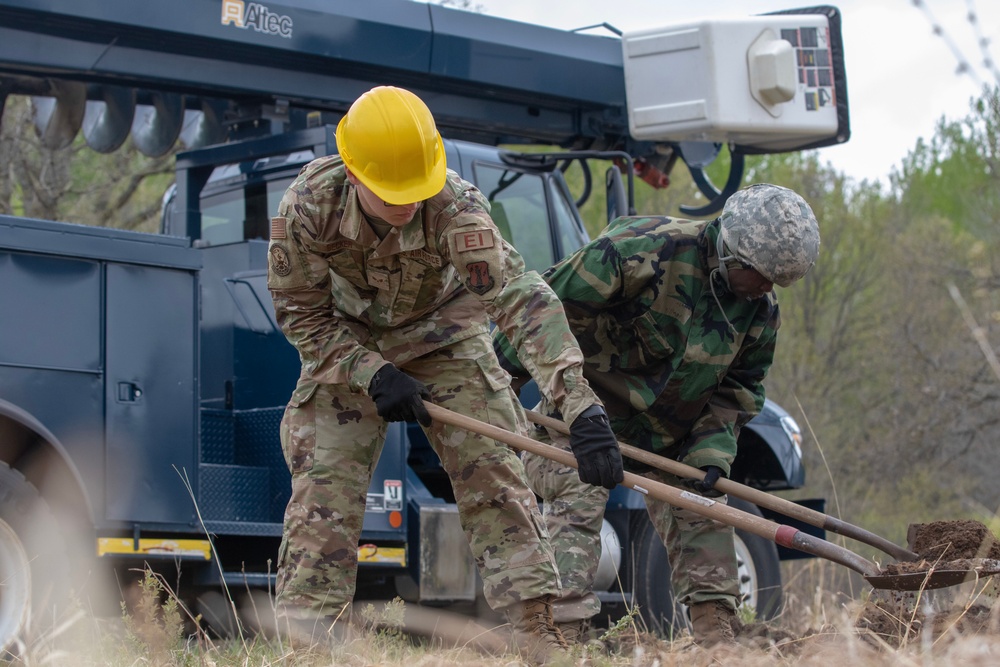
{"points": [[794, 433]]}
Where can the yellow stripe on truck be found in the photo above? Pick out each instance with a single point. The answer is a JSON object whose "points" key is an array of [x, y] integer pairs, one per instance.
{"points": [[372, 553], [154, 547]]}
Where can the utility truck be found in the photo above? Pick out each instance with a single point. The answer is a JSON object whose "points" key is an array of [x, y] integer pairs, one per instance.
{"points": [[143, 376]]}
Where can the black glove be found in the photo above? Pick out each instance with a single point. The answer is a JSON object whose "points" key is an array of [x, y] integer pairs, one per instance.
{"points": [[706, 487], [596, 450], [398, 397]]}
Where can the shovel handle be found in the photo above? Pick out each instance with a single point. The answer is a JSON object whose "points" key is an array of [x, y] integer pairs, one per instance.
{"points": [[784, 535], [750, 494]]}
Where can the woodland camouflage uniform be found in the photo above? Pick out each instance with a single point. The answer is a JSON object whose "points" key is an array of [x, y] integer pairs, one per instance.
{"points": [[676, 379], [420, 299]]}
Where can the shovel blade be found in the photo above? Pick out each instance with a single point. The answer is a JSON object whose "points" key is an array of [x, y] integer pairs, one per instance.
{"points": [[941, 575]]}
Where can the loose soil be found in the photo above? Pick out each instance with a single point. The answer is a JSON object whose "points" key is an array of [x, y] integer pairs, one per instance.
{"points": [[895, 618], [947, 545], [952, 540]]}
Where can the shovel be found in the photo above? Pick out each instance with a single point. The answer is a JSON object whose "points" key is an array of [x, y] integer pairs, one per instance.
{"points": [[755, 496], [786, 536]]}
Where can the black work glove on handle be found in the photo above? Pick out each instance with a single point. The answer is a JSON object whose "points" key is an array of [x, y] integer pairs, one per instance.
{"points": [[599, 461], [706, 487], [398, 397]]}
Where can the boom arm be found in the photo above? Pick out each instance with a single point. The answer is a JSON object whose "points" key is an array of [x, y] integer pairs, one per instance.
{"points": [[208, 71], [486, 78]]}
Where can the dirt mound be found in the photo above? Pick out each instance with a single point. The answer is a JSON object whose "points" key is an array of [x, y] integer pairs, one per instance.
{"points": [[896, 618], [949, 545], [896, 621], [952, 540]]}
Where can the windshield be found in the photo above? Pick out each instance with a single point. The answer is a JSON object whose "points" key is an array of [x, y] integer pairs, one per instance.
{"points": [[520, 206]]}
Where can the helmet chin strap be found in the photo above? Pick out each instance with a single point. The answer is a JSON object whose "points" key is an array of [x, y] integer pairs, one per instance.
{"points": [[720, 249], [724, 274]]}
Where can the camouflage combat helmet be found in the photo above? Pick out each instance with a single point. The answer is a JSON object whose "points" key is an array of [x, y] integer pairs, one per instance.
{"points": [[773, 230]]}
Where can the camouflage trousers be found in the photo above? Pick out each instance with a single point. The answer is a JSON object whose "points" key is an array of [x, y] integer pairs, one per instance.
{"points": [[332, 441], [701, 551]]}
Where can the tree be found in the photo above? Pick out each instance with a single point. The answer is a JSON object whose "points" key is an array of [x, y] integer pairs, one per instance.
{"points": [[76, 184], [872, 347]]}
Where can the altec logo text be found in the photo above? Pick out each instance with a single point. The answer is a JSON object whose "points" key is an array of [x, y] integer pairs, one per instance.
{"points": [[255, 15]]}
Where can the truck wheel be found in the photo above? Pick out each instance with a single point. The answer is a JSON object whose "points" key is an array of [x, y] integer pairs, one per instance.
{"points": [[33, 561], [758, 567], [651, 590]]}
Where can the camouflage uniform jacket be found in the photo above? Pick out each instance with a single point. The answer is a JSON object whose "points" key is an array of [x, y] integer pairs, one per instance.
{"points": [[657, 349], [350, 302]]}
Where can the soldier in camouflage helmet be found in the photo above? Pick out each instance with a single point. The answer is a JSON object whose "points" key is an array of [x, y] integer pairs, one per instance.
{"points": [[773, 230], [677, 321], [385, 269]]}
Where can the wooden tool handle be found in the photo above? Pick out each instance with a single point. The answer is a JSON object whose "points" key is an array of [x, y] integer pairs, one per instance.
{"points": [[730, 516], [750, 494]]}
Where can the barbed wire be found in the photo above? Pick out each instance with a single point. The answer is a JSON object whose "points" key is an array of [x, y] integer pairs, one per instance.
{"points": [[982, 43]]}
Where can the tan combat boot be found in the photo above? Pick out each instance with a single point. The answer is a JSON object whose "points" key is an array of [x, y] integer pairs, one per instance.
{"points": [[712, 623], [575, 632], [572, 616], [535, 633]]}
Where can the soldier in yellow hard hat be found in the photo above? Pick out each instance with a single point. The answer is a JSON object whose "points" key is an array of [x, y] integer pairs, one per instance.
{"points": [[385, 269]]}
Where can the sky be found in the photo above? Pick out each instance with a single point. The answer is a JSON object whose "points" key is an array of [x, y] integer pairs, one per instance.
{"points": [[902, 78]]}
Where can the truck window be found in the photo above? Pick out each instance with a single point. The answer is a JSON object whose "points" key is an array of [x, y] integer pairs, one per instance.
{"points": [[519, 207], [239, 200], [225, 214], [237, 215], [569, 226], [525, 206]]}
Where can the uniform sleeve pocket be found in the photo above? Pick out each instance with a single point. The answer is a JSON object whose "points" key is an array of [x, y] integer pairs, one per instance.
{"points": [[303, 392], [497, 379]]}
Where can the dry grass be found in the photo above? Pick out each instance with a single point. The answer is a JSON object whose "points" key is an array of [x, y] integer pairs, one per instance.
{"points": [[819, 626]]}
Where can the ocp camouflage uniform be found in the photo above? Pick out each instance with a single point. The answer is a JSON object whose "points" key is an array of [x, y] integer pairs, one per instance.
{"points": [[420, 299], [676, 379]]}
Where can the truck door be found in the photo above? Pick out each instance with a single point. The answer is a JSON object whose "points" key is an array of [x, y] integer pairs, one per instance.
{"points": [[151, 393]]}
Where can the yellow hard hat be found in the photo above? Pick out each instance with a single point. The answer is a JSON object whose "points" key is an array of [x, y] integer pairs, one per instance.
{"points": [[389, 141]]}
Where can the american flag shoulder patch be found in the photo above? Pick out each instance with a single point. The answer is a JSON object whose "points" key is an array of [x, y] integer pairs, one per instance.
{"points": [[278, 228]]}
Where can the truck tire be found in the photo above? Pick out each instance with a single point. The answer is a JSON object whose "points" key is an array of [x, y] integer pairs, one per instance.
{"points": [[33, 562], [759, 574], [759, 568]]}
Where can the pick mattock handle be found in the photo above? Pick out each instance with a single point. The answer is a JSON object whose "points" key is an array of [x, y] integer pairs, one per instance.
{"points": [[730, 516], [755, 496]]}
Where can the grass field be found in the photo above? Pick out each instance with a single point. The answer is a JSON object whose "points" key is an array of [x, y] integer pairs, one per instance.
{"points": [[959, 626]]}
